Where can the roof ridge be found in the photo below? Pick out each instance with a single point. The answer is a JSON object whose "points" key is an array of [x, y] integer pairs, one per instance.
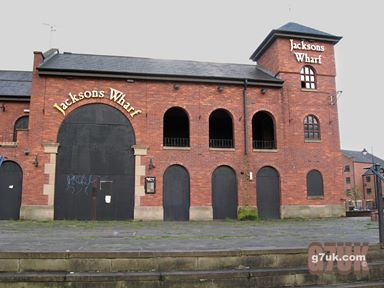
{"points": [[157, 59], [16, 71]]}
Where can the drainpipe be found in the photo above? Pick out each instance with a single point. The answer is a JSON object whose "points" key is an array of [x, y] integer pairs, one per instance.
{"points": [[245, 117]]}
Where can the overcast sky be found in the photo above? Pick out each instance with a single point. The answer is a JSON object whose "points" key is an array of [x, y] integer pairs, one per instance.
{"points": [[211, 30]]}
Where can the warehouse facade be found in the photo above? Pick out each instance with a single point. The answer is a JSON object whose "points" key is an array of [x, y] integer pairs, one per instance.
{"points": [[110, 137]]}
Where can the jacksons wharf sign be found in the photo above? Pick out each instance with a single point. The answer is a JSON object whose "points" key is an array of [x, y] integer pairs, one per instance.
{"points": [[306, 46], [114, 95]]}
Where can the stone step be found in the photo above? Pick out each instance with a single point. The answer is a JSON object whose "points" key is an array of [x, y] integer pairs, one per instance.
{"points": [[268, 277], [362, 284], [159, 261]]}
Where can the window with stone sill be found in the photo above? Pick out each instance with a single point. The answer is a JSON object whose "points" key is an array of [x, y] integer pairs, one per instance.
{"points": [[311, 128], [308, 78]]}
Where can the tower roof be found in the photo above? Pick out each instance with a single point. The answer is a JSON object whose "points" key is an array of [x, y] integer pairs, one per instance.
{"points": [[292, 29]]}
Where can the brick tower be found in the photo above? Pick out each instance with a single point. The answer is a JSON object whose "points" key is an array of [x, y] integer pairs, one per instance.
{"points": [[304, 58]]}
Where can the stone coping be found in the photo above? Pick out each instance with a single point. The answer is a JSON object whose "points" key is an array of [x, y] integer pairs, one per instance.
{"points": [[152, 254]]}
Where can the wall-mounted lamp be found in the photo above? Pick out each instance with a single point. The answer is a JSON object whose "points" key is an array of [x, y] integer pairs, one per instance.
{"points": [[2, 107], [334, 98], [220, 88], [26, 152], [176, 86], [263, 90], [151, 165], [130, 81], [35, 161], [248, 174]]}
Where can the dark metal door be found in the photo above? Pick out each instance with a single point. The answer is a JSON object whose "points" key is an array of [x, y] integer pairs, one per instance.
{"points": [[95, 149], [11, 179], [224, 193], [268, 193], [315, 183], [176, 197]]}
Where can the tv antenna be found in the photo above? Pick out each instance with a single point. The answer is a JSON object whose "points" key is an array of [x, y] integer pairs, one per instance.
{"points": [[52, 29]]}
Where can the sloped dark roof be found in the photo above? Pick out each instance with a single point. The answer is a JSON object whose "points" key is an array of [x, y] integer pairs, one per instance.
{"points": [[292, 29], [15, 85], [148, 68], [357, 156]]}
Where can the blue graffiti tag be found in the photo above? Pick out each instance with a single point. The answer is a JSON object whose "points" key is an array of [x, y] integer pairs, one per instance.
{"points": [[80, 183]]}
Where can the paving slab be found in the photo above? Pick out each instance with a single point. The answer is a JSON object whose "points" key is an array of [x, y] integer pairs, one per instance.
{"points": [[127, 236]]}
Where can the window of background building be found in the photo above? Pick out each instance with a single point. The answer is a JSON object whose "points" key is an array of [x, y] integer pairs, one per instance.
{"points": [[369, 190], [311, 128], [348, 191], [308, 77], [347, 168], [348, 180], [368, 178]]}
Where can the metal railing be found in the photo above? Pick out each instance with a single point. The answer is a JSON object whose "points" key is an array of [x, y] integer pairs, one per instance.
{"points": [[264, 144], [6, 137], [176, 142], [221, 143]]}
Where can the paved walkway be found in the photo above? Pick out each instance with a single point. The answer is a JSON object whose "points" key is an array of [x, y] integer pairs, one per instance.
{"points": [[180, 236]]}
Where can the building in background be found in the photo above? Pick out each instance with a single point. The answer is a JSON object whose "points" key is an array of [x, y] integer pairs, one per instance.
{"points": [[359, 182], [112, 137]]}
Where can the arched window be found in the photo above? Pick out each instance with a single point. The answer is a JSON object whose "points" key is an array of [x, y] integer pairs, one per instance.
{"points": [[308, 77], [311, 128], [263, 131], [21, 124], [220, 129], [176, 128], [315, 184]]}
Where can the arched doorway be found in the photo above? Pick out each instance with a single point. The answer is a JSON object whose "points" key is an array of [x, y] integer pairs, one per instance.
{"points": [[224, 193], [95, 165], [11, 180], [268, 193], [176, 195]]}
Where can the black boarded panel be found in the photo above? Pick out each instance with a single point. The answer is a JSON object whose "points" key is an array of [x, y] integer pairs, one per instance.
{"points": [[268, 193], [315, 185], [11, 178], [224, 193], [95, 146], [176, 197]]}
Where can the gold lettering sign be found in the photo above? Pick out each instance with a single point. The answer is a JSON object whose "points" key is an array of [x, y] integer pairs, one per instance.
{"points": [[114, 95], [306, 46]]}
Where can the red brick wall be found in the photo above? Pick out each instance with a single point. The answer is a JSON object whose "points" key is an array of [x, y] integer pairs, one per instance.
{"points": [[299, 156], [13, 111], [293, 159]]}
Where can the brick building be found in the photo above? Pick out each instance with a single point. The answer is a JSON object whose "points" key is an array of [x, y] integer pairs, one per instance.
{"points": [[359, 183], [110, 137]]}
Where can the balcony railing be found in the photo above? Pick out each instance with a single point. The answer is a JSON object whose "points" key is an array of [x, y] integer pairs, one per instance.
{"points": [[264, 144], [6, 138], [176, 142], [221, 143]]}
